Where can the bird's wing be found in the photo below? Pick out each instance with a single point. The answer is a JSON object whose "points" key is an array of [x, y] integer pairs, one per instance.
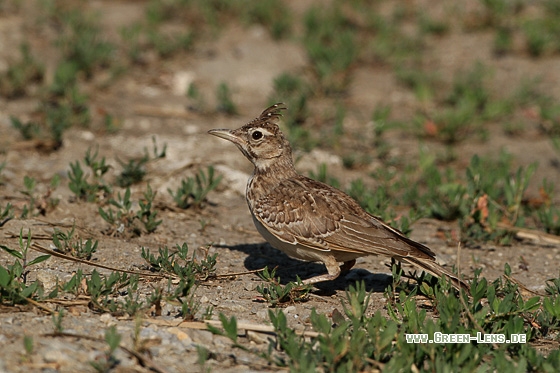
{"points": [[313, 214]]}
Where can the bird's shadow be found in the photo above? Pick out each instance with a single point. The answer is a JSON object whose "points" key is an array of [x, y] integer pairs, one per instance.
{"points": [[263, 255]]}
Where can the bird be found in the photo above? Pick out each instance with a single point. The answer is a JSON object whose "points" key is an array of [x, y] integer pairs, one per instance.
{"points": [[310, 220]]}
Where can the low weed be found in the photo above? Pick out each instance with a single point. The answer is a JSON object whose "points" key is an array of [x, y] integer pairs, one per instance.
{"points": [[548, 215], [330, 41], [196, 99], [29, 130], [14, 82], [466, 106], [14, 287], [381, 124], [30, 185], [278, 295], [494, 195], [422, 83], [193, 191], [39, 199], [108, 361], [116, 293], [539, 35], [179, 263], [189, 271], [6, 214], [86, 187], [104, 292], [147, 214], [125, 221], [274, 15], [66, 243], [356, 340], [167, 45], [81, 41], [224, 100], [134, 171]]}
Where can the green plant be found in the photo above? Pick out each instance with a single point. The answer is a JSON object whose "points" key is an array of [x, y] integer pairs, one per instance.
{"points": [[74, 285], [57, 319], [193, 191], [108, 361], [78, 180], [29, 184], [550, 116], [503, 40], [195, 96], [429, 25], [124, 217], [332, 47], [392, 45], [67, 244], [2, 166], [189, 272], [355, 340], [537, 37], [28, 346], [39, 203], [494, 194], [15, 81], [548, 214], [13, 278], [225, 102], [6, 214], [81, 41], [64, 105], [278, 295], [102, 291], [179, 263], [131, 36], [28, 131], [382, 123], [132, 303], [134, 171], [421, 82], [230, 328], [167, 45], [147, 215], [272, 14]]}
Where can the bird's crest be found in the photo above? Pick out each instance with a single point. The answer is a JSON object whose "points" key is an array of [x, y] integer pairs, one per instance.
{"points": [[269, 115]]}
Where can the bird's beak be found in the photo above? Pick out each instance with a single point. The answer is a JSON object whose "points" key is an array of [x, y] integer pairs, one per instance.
{"points": [[225, 134]]}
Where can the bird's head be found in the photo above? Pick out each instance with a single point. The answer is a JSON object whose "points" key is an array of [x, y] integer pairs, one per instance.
{"points": [[260, 140]]}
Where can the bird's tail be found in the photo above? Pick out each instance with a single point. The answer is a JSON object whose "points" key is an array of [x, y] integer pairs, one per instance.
{"points": [[430, 266]]}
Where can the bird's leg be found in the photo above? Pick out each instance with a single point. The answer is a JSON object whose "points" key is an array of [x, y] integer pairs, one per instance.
{"points": [[332, 268], [347, 266]]}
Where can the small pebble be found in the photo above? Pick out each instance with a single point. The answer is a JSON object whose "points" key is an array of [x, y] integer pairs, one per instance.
{"points": [[107, 319], [289, 309]]}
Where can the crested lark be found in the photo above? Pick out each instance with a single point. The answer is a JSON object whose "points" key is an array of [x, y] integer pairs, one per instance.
{"points": [[310, 220]]}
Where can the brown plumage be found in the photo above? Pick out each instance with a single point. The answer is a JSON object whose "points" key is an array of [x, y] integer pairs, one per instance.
{"points": [[310, 220]]}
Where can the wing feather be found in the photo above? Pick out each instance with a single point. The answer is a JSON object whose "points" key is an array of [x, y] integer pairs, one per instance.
{"points": [[323, 218]]}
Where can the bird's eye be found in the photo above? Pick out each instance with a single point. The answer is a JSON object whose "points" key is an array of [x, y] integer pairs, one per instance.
{"points": [[257, 135]]}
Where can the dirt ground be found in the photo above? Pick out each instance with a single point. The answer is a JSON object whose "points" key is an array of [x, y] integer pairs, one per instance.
{"points": [[149, 101]]}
